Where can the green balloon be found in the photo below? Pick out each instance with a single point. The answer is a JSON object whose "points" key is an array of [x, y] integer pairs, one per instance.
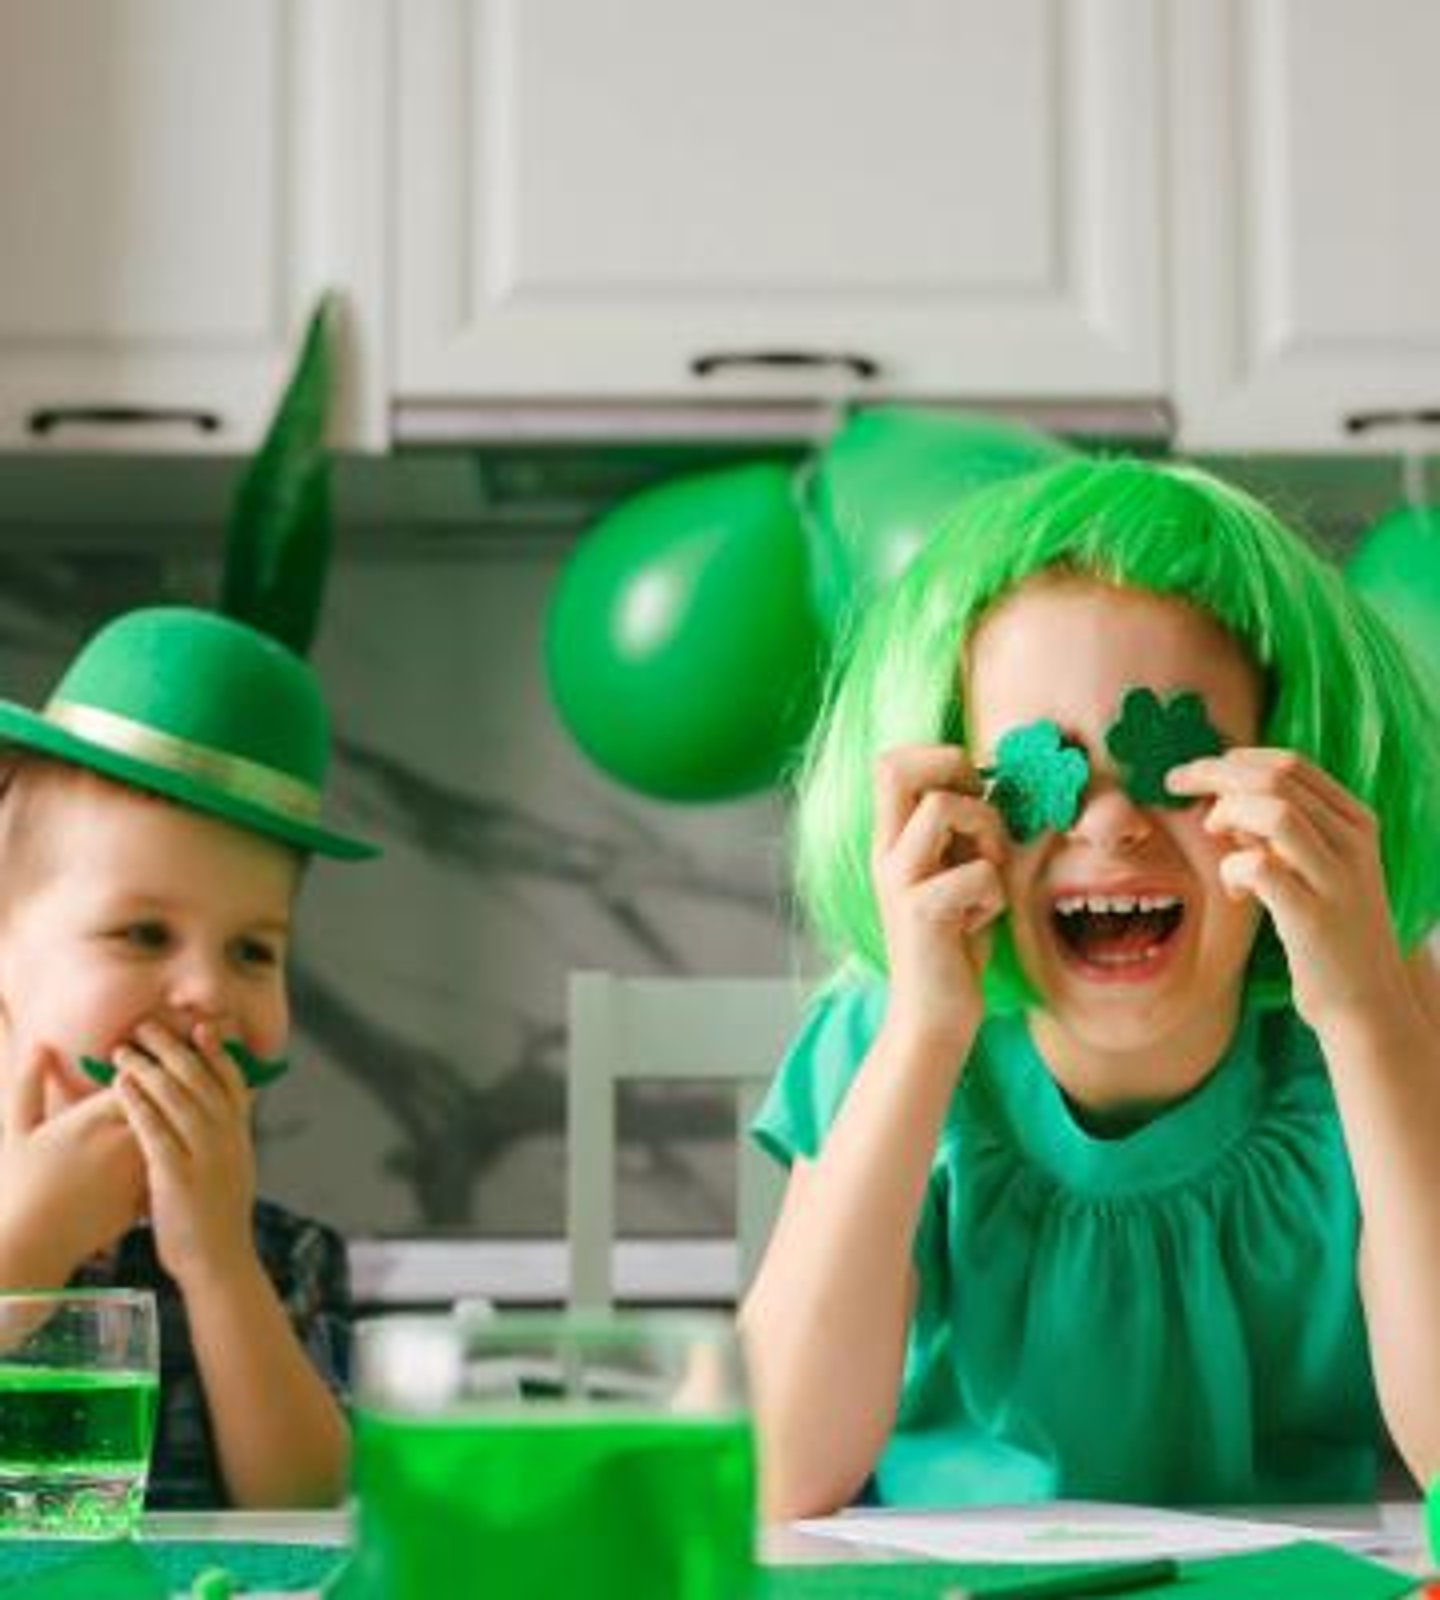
{"points": [[886, 481], [1396, 567], [681, 644]]}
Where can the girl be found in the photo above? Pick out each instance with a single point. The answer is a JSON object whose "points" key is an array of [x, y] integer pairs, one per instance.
{"points": [[1114, 1145]]}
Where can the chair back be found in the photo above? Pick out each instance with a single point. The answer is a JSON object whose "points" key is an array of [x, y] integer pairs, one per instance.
{"points": [[670, 1029]]}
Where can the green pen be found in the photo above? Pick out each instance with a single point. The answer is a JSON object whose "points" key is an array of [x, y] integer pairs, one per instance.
{"points": [[1120, 1579]]}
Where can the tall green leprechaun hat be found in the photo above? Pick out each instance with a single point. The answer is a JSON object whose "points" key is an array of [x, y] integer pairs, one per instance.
{"points": [[221, 711]]}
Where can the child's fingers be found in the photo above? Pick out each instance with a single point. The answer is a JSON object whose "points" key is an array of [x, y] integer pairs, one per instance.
{"points": [[97, 1113], [185, 1121], [186, 1066], [1283, 827], [1260, 874], [1290, 768], [24, 1104], [66, 1084], [977, 831], [904, 774], [1257, 768], [971, 896], [160, 1145], [943, 829], [43, 1092], [207, 1041], [1345, 825]]}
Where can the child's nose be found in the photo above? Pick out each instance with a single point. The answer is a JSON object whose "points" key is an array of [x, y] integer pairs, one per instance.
{"points": [[186, 1017], [1109, 819], [200, 988]]}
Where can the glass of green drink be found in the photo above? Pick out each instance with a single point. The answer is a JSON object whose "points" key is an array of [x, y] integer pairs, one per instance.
{"points": [[79, 1382], [512, 1456]]}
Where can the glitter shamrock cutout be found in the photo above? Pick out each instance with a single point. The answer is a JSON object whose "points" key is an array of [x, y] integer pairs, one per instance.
{"points": [[1150, 737], [1037, 779]]}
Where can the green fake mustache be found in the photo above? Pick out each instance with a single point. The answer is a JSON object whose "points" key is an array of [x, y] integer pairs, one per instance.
{"points": [[256, 1070]]}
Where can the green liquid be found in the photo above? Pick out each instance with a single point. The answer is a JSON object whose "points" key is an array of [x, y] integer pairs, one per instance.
{"points": [[560, 1505], [74, 1448]]}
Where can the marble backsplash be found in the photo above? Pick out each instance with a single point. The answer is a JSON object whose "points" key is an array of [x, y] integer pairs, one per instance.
{"points": [[428, 1095]]}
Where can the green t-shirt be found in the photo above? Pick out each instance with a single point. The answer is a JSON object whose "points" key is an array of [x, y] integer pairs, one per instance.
{"points": [[1169, 1316]]}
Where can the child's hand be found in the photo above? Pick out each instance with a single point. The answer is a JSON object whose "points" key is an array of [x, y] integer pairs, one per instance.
{"points": [[71, 1176], [189, 1108], [1308, 850], [936, 857]]}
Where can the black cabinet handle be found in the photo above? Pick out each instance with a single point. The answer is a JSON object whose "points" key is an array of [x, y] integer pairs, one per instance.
{"points": [[859, 366], [1364, 421], [47, 419]]}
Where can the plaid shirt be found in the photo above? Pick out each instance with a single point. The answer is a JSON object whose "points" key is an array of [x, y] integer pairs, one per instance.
{"points": [[306, 1263]]}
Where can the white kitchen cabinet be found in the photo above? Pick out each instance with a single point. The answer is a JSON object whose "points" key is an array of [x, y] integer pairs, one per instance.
{"points": [[959, 197], [1305, 234], [178, 180]]}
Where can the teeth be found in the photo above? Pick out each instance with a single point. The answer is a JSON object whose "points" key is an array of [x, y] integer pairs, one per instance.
{"points": [[1069, 905]]}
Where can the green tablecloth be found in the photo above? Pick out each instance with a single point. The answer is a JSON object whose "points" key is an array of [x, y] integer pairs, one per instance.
{"points": [[59, 1569], [156, 1569], [1292, 1572]]}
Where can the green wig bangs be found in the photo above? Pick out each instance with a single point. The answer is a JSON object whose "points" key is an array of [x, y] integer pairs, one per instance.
{"points": [[1340, 688]]}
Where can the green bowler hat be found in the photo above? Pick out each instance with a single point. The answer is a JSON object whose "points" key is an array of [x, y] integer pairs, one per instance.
{"points": [[200, 708]]}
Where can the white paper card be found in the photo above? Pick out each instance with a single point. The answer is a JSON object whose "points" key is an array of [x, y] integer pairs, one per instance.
{"points": [[1070, 1530]]}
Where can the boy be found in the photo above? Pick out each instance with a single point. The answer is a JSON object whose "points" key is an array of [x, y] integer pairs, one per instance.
{"points": [[154, 823]]}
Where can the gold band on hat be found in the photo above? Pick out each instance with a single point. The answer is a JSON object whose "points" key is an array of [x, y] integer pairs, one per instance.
{"points": [[241, 779]]}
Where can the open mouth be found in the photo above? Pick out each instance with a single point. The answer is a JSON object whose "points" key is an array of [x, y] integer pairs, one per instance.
{"points": [[1115, 932]]}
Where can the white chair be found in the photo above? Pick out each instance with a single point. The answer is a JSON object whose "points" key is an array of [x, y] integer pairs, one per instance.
{"points": [[729, 1030]]}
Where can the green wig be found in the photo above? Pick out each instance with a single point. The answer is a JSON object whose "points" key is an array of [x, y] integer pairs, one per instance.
{"points": [[1339, 687]]}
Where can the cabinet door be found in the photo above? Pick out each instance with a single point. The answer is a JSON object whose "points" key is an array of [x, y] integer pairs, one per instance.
{"points": [[1306, 237], [178, 179], [596, 198]]}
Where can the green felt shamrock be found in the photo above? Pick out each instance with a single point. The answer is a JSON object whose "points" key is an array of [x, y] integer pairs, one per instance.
{"points": [[1037, 779], [1149, 738]]}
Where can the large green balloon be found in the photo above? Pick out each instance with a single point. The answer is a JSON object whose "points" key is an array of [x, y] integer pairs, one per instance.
{"points": [[1396, 567], [682, 646], [885, 482]]}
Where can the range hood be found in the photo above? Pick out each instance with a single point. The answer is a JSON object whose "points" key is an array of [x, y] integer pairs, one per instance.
{"points": [[1146, 424], [524, 487]]}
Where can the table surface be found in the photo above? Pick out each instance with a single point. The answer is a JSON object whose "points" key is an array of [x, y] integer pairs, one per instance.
{"points": [[1398, 1527]]}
